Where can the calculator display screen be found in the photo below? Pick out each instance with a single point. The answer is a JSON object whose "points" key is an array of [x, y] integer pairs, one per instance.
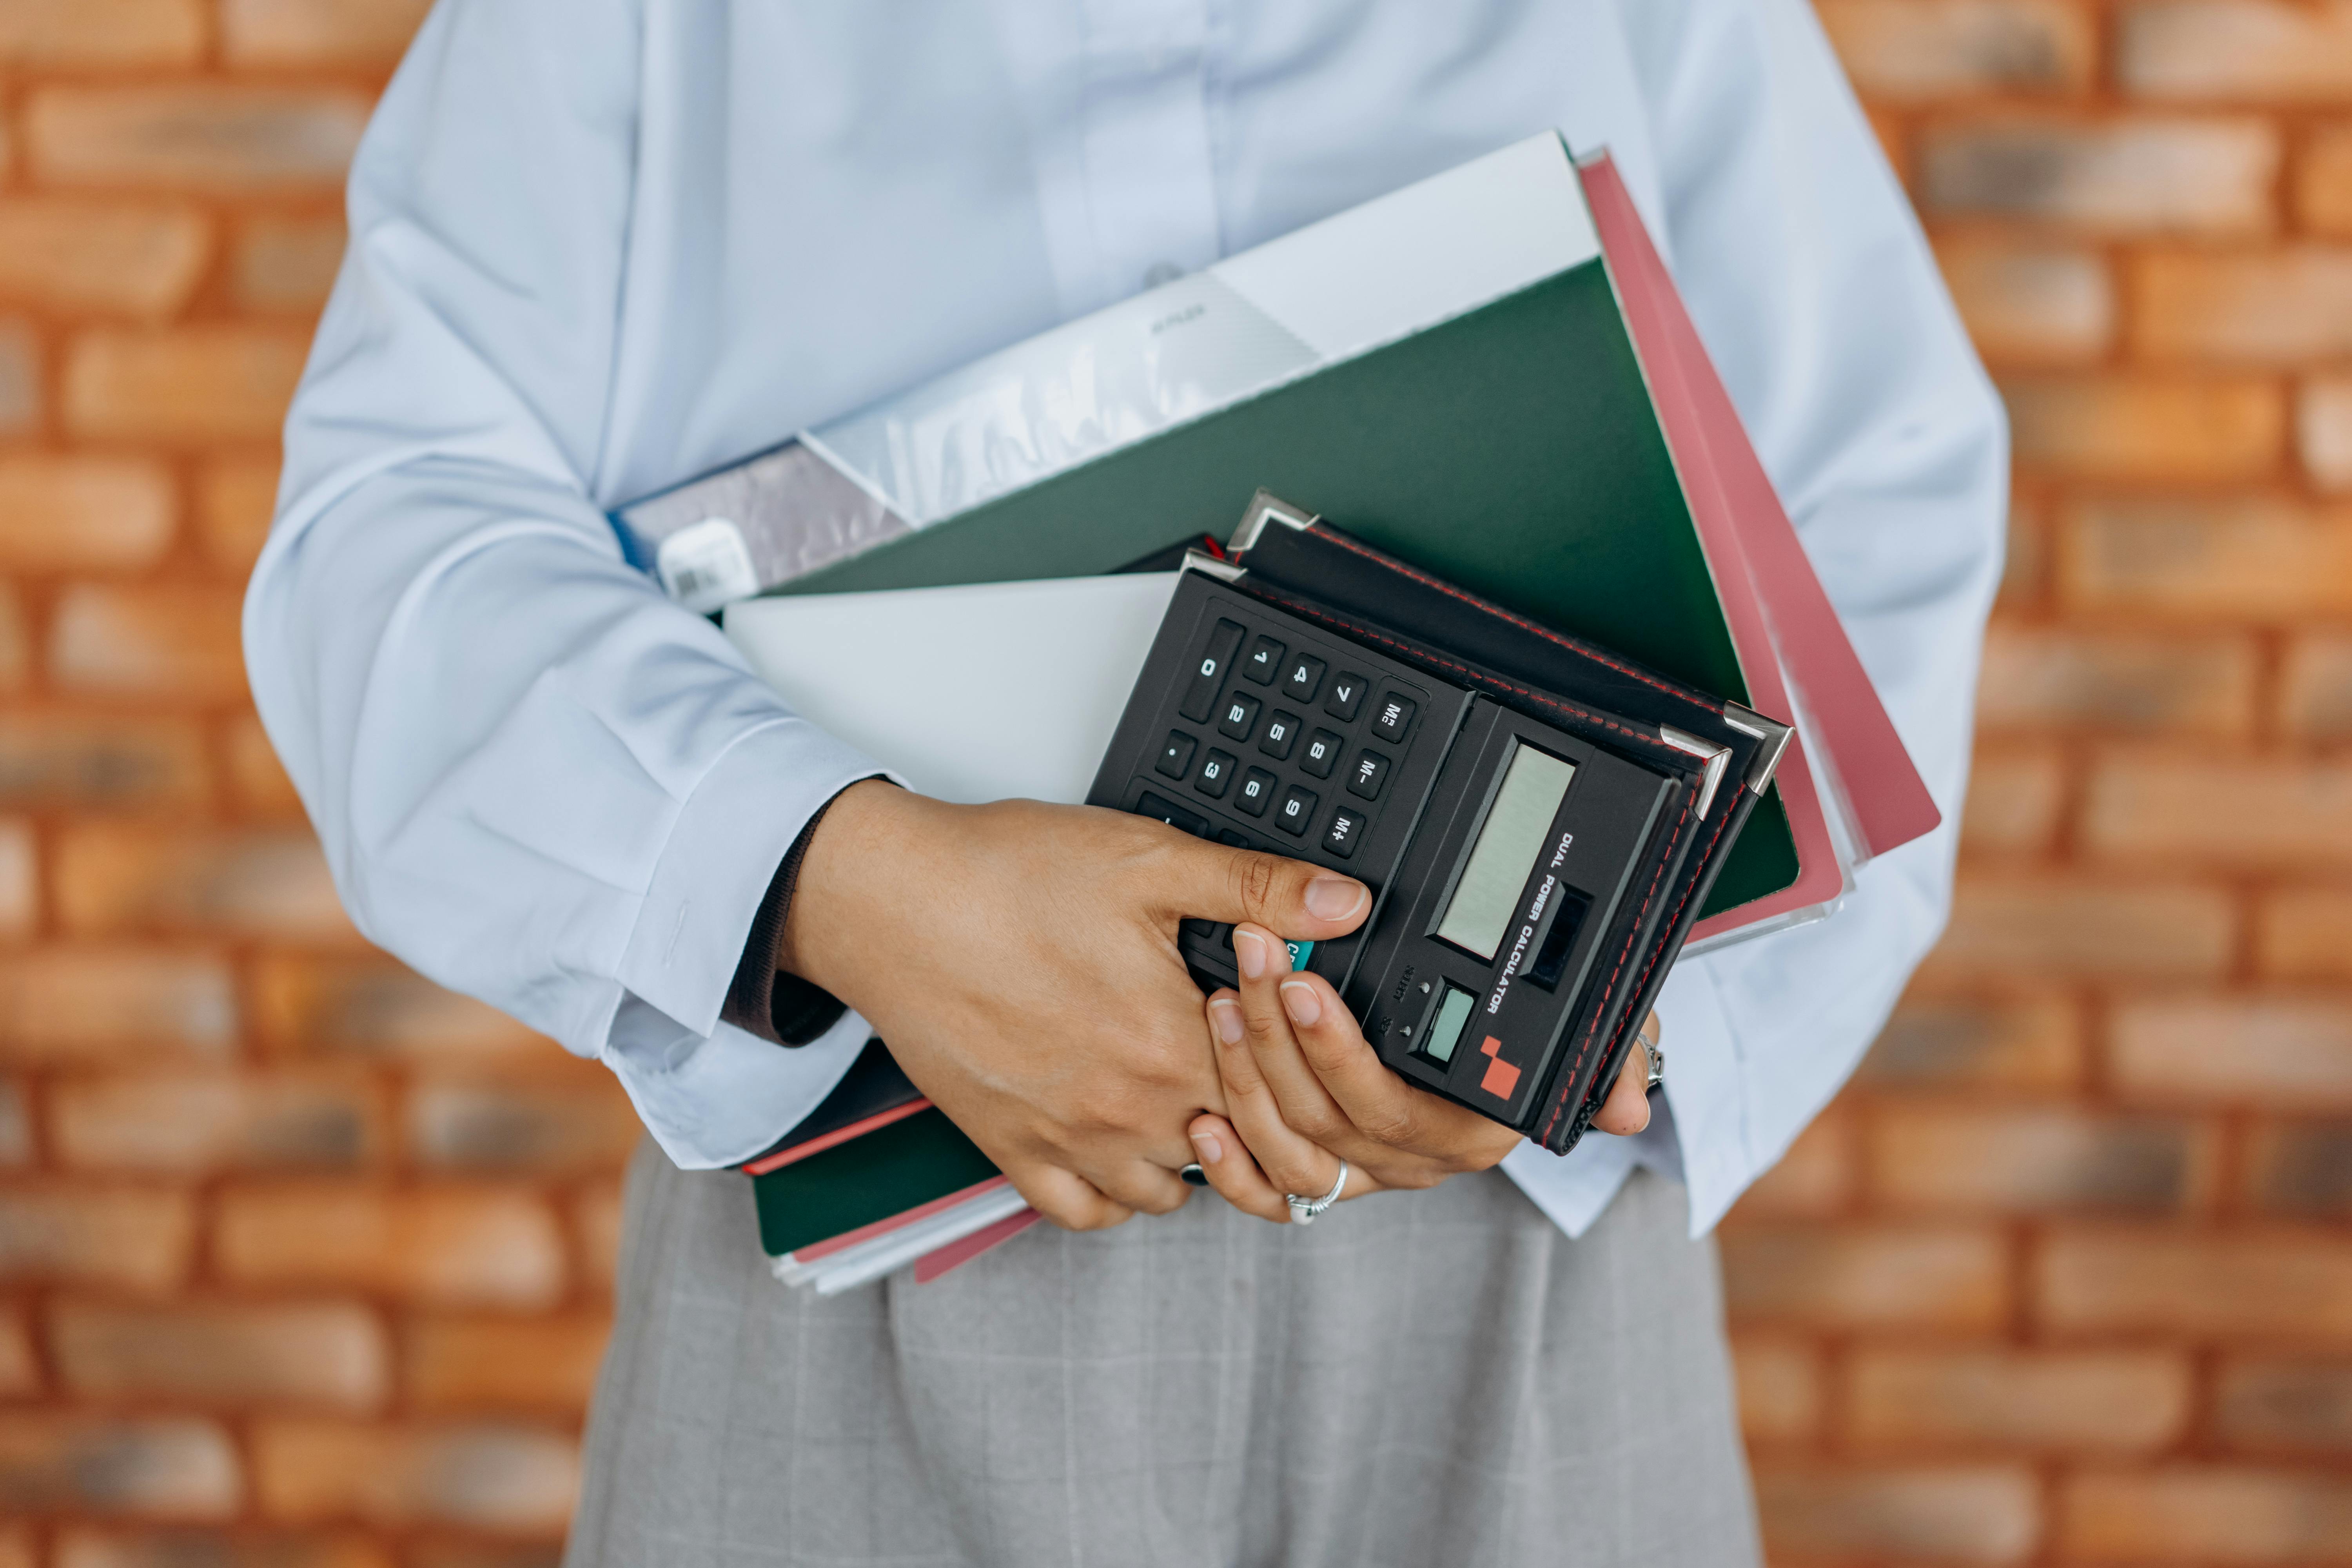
{"points": [[1517, 822]]}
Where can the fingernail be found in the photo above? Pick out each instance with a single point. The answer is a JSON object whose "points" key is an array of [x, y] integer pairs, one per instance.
{"points": [[1227, 1017], [1298, 1000], [1250, 949], [1210, 1149], [1333, 897]]}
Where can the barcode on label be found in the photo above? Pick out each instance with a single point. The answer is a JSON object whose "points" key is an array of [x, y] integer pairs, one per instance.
{"points": [[707, 566]]}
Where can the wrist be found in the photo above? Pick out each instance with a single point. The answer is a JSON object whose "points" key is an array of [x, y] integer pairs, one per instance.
{"points": [[838, 862]]}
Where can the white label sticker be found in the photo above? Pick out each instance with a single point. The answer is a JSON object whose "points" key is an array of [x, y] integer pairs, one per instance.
{"points": [[707, 566]]}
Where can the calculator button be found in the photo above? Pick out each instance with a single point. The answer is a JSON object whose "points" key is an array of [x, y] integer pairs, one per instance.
{"points": [[1239, 718], [1264, 658], [1347, 827], [1322, 753], [1231, 840], [1281, 735], [1347, 696], [1216, 774], [1393, 716], [1303, 679], [1209, 672], [1371, 772], [1174, 816], [1176, 756], [1297, 810], [1256, 791]]}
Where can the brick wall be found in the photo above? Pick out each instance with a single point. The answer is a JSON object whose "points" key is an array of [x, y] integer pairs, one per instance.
{"points": [[303, 1262]]}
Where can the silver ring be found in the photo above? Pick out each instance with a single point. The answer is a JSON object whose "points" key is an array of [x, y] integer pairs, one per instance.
{"points": [[1657, 1059], [1304, 1210]]}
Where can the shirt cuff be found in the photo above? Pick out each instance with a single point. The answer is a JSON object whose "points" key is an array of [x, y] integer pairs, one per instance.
{"points": [[731, 832], [716, 1101], [781, 1008]]}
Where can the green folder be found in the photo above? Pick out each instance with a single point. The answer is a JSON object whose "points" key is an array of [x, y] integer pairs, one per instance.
{"points": [[1512, 449], [883, 1173]]}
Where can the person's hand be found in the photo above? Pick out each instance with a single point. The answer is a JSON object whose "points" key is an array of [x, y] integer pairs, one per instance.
{"points": [[1021, 961], [1304, 1089]]}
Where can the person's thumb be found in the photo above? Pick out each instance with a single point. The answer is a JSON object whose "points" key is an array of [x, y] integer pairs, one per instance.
{"points": [[1289, 897]]}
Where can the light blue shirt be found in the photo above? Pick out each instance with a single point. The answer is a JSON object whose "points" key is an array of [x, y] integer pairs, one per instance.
{"points": [[599, 245]]}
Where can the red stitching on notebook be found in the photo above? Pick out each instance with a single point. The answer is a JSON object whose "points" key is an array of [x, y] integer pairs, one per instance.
{"points": [[1631, 932], [1580, 649]]}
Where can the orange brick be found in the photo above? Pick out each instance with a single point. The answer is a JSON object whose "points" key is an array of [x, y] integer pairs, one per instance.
{"points": [[489, 1477], [2025, 567], [2030, 302], [2032, 1159], [194, 135], [186, 384], [2230, 811], [453, 1247], [2251, 560], [257, 780], [149, 639], [2305, 933], [2056, 679], [82, 1548], [596, 1231], [60, 1005], [83, 1233], [16, 641], [2285, 1407], [2144, 175], [1913, 49], [1987, 1514], [2062, 1401], [1855, 1276], [101, 32], [101, 259], [2294, 1053], [2206, 1513], [2315, 689], [320, 1355], [2021, 926], [2148, 1279], [2323, 181], [2258, 51], [1780, 1387], [2015, 799], [100, 761], [287, 264], [472, 1364], [372, 1009], [20, 880], [15, 1130], [2323, 431], [60, 512], [303, 31], [162, 1468], [114, 877], [2302, 1168], [2146, 428], [2276, 307], [588, 1125], [20, 1370], [20, 379], [1816, 1177], [235, 499], [193, 1122]]}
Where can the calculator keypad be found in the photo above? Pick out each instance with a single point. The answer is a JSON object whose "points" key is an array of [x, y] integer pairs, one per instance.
{"points": [[1275, 740]]}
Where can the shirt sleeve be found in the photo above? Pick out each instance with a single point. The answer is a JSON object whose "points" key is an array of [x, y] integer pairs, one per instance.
{"points": [[537, 781], [1819, 303]]}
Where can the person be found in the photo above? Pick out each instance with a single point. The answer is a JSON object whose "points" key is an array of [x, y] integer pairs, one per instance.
{"points": [[599, 245]]}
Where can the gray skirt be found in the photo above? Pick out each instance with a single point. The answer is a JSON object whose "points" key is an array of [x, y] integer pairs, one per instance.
{"points": [[1419, 1378]]}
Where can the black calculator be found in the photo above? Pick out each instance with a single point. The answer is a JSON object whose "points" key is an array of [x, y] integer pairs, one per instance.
{"points": [[1526, 859]]}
